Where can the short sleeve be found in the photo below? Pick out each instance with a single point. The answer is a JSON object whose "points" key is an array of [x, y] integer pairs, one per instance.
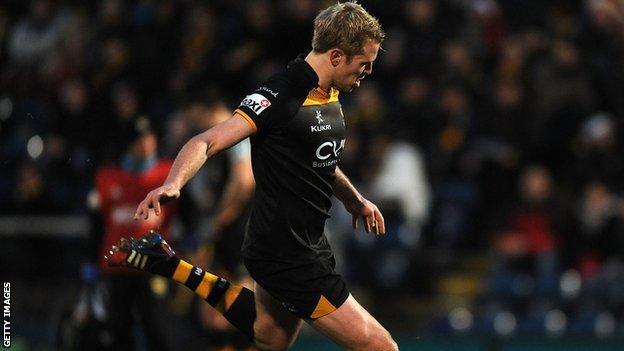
{"points": [[276, 100], [259, 108]]}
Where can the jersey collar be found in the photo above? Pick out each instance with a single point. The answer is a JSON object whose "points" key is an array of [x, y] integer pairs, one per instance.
{"points": [[303, 72]]}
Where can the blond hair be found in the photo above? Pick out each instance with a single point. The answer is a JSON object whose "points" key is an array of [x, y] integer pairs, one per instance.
{"points": [[346, 26]]}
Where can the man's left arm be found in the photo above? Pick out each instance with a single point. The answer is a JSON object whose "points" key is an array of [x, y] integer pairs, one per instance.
{"points": [[357, 205], [238, 190]]}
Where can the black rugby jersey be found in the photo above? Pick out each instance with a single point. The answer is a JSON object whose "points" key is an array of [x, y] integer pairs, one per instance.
{"points": [[299, 136]]}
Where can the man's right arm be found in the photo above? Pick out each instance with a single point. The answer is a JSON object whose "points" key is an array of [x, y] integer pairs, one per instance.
{"points": [[192, 156]]}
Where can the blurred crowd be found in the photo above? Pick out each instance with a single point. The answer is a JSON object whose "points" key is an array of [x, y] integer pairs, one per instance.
{"points": [[488, 128]]}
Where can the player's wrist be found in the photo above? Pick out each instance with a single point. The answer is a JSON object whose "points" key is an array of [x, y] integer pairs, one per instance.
{"points": [[173, 185], [356, 203]]}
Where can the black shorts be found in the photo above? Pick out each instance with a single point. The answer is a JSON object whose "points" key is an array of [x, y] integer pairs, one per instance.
{"points": [[309, 290]]}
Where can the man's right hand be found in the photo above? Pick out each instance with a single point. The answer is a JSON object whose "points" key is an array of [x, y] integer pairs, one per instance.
{"points": [[154, 198]]}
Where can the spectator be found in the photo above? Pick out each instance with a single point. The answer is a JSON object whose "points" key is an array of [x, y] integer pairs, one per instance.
{"points": [[117, 189], [34, 37], [526, 246]]}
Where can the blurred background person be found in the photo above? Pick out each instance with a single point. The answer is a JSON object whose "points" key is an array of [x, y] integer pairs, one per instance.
{"points": [[600, 253], [220, 194], [130, 302], [525, 249]]}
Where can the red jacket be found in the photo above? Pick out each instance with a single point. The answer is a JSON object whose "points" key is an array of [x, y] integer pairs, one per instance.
{"points": [[120, 192]]}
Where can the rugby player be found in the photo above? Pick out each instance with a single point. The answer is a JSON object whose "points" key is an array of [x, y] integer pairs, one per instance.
{"points": [[296, 127]]}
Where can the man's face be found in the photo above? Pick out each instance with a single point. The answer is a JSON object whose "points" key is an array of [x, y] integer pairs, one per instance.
{"points": [[349, 74], [144, 147]]}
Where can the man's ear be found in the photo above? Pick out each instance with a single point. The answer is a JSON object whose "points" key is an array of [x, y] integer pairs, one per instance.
{"points": [[336, 56]]}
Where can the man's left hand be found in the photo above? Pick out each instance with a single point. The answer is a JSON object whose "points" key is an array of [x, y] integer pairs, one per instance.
{"points": [[373, 220]]}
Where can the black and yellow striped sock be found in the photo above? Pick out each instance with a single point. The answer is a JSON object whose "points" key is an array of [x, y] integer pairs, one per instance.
{"points": [[236, 303]]}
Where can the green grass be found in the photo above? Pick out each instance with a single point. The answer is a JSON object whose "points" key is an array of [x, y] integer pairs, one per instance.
{"points": [[478, 344]]}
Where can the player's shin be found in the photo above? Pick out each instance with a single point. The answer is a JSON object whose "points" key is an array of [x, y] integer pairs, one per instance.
{"points": [[236, 303]]}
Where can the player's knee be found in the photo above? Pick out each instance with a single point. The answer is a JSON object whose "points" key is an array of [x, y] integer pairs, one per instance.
{"points": [[268, 344], [379, 341], [390, 344], [269, 338], [383, 344]]}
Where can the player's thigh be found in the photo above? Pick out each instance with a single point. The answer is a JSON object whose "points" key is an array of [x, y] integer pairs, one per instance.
{"points": [[354, 328], [275, 328]]}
